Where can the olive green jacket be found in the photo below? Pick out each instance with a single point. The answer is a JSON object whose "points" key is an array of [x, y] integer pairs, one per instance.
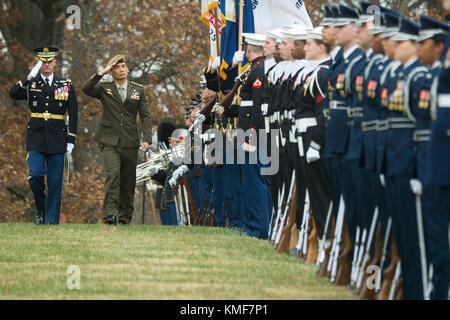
{"points": [[118, 121]]}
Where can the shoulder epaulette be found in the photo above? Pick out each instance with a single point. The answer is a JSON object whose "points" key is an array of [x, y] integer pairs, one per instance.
{"points": [[137, 84], [106, 81]]}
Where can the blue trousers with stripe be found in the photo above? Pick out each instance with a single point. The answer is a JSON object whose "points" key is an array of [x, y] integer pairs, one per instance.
{"points": [[50, 165]]}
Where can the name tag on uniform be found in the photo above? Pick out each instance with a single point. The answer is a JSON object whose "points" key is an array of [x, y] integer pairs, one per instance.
{"points": [[36, 90]]}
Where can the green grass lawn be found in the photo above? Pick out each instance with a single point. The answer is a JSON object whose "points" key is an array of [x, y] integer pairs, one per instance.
{"points": [[151, 262]]}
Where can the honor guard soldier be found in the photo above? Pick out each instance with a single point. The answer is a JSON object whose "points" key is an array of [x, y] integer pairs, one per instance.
{"points": [[250, 120], [370, 102], [47, 138], [336, 52], [118, 137], [337, 131], [437, 176], [400, 159], [309, 99], [431, 40]]}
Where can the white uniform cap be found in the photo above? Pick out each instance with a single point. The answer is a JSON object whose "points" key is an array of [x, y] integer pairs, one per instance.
{"points": [[315, 33], [275, 34], [254, 39], [296, 32]]}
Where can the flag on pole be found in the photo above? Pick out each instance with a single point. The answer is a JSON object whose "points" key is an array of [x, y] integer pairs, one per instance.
{"points": [[211, 15], [230, 34], [271, 14]]}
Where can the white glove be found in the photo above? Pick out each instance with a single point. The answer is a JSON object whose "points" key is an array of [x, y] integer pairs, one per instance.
{"points": [[264, 109], [248, 147], [33, 73], [416, 186], [238, 57], [199, 118], [70, 147], [383, 182], [180, 171], [312, 155], [153, 171], [172, 182], [216, 64], [191, 127], [218, 109]]}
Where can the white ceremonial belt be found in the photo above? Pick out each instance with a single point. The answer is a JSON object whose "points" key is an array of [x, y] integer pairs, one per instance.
{"points": [[382, 125], [304, 123], [422, 135], [400, 123], [369, 125], [246, 103], [338, 105], [355, 112], [444, 100]]}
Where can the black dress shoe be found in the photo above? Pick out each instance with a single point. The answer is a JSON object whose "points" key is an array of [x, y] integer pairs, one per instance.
{"points": [[111, 220], [40, 218]]}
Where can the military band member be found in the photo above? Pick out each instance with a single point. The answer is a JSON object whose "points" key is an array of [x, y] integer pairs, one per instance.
{"points": [[117, 135], [47, 138]]}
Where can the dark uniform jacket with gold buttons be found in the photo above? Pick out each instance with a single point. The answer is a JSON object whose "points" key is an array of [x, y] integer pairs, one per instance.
{"points": [[118, 121], [46, 130], [249, 112]]}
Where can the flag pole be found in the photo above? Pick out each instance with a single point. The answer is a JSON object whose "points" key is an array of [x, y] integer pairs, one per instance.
{"points": [[216, 26], [241, 25]]}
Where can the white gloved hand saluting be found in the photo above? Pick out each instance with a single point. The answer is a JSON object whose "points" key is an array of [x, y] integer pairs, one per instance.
{"points": [[238, 57], [216, 64], [33, 73], [70, 147], [312, 155], [416, 186]]}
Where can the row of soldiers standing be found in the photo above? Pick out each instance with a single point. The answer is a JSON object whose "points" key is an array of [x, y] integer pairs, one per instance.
{"points": [[361, 107]]}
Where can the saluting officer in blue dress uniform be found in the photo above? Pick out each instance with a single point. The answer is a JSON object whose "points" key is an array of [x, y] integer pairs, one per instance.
{"points": [[47, 138], [437, 176]]}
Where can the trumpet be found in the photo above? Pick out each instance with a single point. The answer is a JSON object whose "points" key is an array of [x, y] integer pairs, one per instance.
{"points": [[160, 160]]}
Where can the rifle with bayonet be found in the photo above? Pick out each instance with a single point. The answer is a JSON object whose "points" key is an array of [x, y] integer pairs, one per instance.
{"points": [[189, 199], [285, 240], [286, 209]]}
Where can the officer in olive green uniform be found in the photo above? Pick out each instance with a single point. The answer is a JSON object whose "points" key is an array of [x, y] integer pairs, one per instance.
{"points": [[118, 137]]}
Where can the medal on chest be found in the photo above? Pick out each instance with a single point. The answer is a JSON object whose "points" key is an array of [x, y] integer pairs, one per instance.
{"points": [[384, 97], [371, 89], [359, 86], [424, 99]]}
